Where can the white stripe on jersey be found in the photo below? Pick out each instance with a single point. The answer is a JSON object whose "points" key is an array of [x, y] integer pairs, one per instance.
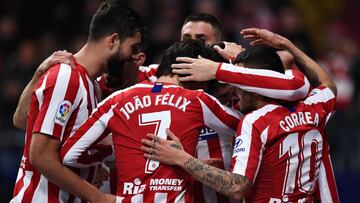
{"points": [[83, 112], [26, 179], [319, 96], [160, 197], [213, 122], [255, 72], [246, 135], [325, 193], [181, 197], [39, 92], [92, 93], [263, 137], [57, 97], [137, 198], [87, 139], [291, 95], [41, 191]]}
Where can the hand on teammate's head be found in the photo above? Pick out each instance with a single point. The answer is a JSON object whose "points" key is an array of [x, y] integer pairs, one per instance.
{"points": [[230, 50], [263, 36]]}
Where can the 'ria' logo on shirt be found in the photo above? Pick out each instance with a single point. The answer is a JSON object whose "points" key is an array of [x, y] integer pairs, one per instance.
{"points": [[134, 188]]}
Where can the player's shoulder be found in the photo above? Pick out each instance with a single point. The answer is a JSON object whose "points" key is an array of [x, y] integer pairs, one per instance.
{"points": [[263, 114], [319, 94]]}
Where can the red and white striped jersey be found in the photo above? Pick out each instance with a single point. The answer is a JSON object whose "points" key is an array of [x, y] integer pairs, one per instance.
{"points": [[62, 100], [291, 86], [213, 145], [282, 149], [150, 108]]}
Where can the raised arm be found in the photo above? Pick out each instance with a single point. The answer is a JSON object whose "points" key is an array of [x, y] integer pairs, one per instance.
{"points": [[290, 86], [22, 109], [312, 70]]}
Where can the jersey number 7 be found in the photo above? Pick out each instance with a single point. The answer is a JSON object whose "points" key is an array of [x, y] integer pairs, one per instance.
{"points": [[161, 120]]}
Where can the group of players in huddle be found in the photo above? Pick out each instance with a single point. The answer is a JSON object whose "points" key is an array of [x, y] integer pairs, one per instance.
{"points": [[213, 122]]}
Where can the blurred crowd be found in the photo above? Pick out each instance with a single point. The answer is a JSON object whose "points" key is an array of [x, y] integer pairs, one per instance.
{"points": [[326, 30]]}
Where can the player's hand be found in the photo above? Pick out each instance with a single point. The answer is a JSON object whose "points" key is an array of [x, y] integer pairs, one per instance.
{"points": [[101, 175], [262, 36], [200, 69], [55, 58], [165, 151], [230, 51]]}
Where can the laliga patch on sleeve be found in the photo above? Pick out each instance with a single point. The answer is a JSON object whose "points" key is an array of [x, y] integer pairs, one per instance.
{"points": [[63, 112]]}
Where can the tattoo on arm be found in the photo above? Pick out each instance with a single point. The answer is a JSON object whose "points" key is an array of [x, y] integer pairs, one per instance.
{"points": [[222, 181], [176, 146]]}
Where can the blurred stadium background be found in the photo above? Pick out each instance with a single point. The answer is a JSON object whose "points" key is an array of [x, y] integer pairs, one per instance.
{"points": [[328, 30]]}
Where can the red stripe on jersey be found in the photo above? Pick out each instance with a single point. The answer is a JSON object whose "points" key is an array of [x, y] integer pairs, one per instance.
{"points": [[247, 78], [19, 184], [29, 192], [88, 92], [53, 193], [70, 124], [215, 150], [199, 192], [330, 174]]}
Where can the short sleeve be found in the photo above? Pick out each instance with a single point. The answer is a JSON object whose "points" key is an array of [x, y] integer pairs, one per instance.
{"points": [[55, 95]]}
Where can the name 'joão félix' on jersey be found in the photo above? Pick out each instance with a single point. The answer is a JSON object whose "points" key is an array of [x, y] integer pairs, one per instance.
{"points": [[161, 99]]}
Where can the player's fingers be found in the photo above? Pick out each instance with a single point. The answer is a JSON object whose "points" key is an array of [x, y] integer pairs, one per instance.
{"points": [[155, 138], [250, 37], [181, 71], [256, 42], [147, 149], [147, 142], [171, 135], [181, 66], [187, 78], [246, 31], [152, 157], [185, 59]]}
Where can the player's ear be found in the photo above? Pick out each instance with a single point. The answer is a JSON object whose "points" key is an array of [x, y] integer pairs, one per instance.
{"points": [[140, 59], [113, 41]]}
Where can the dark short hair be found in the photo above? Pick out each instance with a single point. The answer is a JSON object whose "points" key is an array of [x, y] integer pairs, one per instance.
{"points": [[203, 17], [189, 48], [114, 16], [260, 57]]}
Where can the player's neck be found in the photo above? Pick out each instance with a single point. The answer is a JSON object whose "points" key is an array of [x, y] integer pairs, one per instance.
{"points": [[169, 79], [91, 59]]}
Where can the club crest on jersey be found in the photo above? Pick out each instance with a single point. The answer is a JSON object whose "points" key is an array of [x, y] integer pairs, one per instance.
{"points": [[63, 112], [237, 146]]}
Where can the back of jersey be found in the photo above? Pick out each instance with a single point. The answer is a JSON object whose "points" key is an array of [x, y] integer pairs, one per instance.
{"points": [[280, 149], [152, 108]]}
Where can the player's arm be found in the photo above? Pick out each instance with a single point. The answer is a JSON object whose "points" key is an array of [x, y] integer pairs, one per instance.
{"points": [[289, 86], [22, 109], [171, 152], [74, 151], [313, 71], [218, 117], [44, 156], [56, 105]]}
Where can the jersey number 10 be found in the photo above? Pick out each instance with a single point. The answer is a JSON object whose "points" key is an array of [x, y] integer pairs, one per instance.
{"points": [[303, 161]]}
